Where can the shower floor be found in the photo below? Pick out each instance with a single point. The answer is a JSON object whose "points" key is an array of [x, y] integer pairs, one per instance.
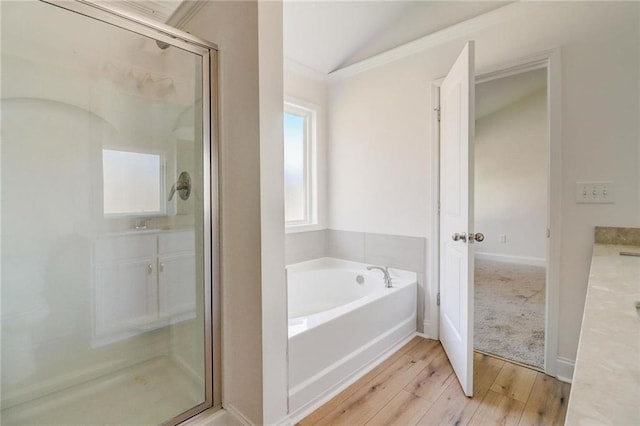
{"points": [[147, 393]]}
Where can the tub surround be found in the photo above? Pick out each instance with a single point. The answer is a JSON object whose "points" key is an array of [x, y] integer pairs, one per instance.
{"points": [[303, 246], [395, 251], [606, 381], [365, 323]]}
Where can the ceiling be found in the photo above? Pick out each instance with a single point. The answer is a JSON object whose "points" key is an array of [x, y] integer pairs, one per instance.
{"points": [[175, 13], [495, 95], [328, 35], [156, 10]]}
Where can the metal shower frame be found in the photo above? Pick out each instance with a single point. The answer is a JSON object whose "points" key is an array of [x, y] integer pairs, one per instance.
{"points": [[211, 247]]}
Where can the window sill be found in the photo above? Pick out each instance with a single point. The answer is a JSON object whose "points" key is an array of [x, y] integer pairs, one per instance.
{"points": [[293, 229]]}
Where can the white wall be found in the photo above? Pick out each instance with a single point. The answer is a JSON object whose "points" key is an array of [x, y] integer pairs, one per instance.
{"points": [[309, 90], [274, 289], [254, 327], [234, 27], [381, 135], [511, 148]]}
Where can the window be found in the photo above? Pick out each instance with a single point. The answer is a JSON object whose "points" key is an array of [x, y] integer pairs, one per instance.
{"points": [[299, 166], [132, 183]]}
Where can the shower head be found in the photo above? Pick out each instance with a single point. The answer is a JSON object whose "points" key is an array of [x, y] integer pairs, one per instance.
{"points": [[162, 45]]}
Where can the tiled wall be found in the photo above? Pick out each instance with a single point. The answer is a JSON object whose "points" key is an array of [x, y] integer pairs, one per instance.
{"points": [[395, 251], [301, 246]]}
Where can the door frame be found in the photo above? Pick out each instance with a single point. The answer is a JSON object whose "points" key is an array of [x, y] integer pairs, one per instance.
{"points": [[551, 61]]}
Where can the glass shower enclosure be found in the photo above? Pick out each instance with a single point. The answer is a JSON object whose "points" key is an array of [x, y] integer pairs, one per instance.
{"points": [[108, 218]]}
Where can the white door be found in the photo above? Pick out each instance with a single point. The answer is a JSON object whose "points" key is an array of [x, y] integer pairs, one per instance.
{"points": [[456, 216]]}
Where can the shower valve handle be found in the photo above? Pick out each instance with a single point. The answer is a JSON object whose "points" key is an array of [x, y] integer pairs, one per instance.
{"points": [[182, 187]]}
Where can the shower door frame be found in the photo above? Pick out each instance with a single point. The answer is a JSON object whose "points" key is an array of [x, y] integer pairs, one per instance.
{"points": [[211, 248]]}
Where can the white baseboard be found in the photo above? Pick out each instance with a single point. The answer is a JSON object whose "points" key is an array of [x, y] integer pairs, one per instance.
{"points": [[565, 367], [430, 330], [285, 421], [507, 258], [309, 408]]}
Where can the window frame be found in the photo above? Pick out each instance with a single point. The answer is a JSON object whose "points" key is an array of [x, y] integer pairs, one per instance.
{"points": [[310, 114]]}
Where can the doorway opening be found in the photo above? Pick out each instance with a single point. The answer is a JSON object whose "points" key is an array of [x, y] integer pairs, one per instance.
{"points": [[453, 161], [511, 193]]}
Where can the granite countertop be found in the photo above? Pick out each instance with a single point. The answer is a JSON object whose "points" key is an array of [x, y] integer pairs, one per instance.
{"points": [[606, 380]]}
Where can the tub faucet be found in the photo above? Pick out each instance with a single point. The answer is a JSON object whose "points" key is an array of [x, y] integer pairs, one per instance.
{"points": [[385, 271]]}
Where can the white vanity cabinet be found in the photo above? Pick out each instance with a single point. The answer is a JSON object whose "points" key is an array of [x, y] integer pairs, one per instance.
{"points": [[141, 282], [176, 275]]}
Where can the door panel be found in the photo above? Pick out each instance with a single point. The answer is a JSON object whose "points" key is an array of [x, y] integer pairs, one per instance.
{"points": [[456, 179]]}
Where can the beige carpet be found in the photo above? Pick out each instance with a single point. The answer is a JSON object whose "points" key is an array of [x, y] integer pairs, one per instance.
{"points": [[509, 311]]}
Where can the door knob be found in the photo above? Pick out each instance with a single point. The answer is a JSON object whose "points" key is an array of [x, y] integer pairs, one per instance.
{"points": [[478, 236], [460, 237]]}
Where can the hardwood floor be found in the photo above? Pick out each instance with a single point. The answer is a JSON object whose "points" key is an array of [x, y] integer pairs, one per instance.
{"points": [[417, 386]]}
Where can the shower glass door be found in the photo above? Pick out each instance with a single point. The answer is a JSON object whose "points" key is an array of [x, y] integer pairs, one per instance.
{"points": [[106, 236]]}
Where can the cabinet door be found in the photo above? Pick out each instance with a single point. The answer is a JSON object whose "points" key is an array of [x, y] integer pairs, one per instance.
{"points": [[177, 286], [125, 296]]}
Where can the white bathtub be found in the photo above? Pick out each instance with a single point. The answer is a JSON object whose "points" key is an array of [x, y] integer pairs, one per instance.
{"points": [[339, 328]]}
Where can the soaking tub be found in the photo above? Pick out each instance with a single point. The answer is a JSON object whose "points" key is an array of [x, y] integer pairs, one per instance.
{"points": [[342, 321]]}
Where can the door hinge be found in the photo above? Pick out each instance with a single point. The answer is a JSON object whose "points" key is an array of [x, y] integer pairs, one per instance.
{"points": [[438, 299], [548, 232], [438, 207], [437, 110]]}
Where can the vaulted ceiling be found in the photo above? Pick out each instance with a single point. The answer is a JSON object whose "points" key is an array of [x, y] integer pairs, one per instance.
{"points": [[328, 35]]}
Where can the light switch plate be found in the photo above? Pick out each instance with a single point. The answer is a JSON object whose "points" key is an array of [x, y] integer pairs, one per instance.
{"points": [[595, 192]]}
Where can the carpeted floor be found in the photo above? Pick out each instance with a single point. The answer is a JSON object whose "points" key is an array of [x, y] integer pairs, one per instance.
{"points": [[509, 311]]}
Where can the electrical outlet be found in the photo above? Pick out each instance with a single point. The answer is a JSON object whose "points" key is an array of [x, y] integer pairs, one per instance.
{"points": [[595, 192], [503, 238]]}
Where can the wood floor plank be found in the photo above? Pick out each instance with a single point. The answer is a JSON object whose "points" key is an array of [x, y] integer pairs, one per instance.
{"points": [[405, 408], [323, 411], [547, 404], [497, 409], [515, 382], [453, 407], [485, 371], [433, 380], [504, 393], [368, 400], [426, 350]]}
